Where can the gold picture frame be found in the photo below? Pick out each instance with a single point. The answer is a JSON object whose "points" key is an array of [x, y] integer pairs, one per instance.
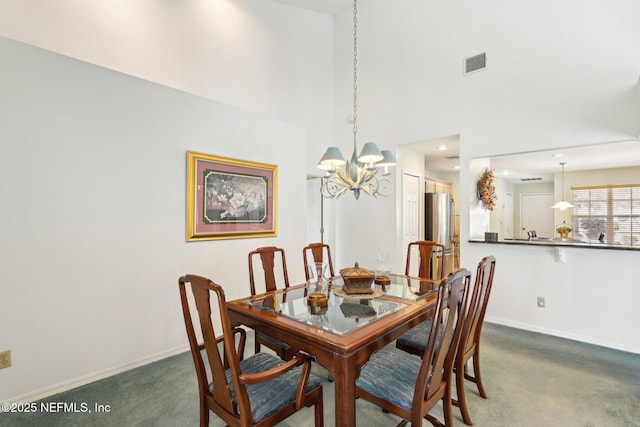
{"points": [[230, 198]]}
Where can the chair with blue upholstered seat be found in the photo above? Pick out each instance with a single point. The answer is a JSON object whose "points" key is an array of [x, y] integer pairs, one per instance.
{"points": [[410, 386], [274, 266], [470, 341], [259, 390], [415, 340]]}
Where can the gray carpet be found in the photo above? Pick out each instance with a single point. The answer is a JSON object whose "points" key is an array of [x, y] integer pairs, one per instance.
{"points": [[531, 379]]}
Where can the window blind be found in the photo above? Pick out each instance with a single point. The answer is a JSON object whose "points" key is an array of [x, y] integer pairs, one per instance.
{"points": [[608, 213]]}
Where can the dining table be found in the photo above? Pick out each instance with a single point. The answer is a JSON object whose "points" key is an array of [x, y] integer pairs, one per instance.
{"points": [[342, 335]]}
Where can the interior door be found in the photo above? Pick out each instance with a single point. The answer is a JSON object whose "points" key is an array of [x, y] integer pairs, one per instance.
{"points": [[410, 211], [536, 214]]}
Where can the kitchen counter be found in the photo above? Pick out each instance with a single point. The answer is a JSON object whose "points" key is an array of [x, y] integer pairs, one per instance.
{"points": [[574, 243]]}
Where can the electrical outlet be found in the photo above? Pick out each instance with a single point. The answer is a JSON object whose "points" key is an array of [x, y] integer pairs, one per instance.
{"points": [[5, 359], [541, 303]]}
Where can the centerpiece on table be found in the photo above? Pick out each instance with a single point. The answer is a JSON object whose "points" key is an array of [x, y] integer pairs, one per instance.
{"points": [[357, 280]]}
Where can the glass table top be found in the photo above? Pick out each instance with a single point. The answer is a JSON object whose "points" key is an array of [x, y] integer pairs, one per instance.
{"points": [[346, 314]]}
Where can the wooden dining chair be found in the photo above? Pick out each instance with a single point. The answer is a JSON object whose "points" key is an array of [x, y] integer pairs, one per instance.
{"points": [[410, 386], [259, 390], [317, 252], [275, 277], [415, 340], [425, 250], [470, 347]]}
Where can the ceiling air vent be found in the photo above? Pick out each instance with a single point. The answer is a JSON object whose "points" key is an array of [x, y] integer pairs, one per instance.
{"points": [[475, 63]]}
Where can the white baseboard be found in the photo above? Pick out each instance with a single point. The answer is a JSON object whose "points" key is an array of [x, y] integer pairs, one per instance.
{"points": [[95, 376], [561, 334]]}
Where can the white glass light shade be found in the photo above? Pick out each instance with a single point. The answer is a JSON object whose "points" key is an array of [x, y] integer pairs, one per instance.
{"points": [[332, 159], [562, 205], [370, 153]]}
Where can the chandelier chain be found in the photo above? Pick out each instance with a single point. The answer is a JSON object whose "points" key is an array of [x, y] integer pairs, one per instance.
{"points": [[355, 70]]}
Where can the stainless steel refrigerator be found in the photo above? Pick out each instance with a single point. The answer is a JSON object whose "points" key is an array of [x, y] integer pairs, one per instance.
{"points": [[439, 226]]}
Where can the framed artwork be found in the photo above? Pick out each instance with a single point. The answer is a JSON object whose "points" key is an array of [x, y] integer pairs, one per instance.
{"points": [[230, 198]]}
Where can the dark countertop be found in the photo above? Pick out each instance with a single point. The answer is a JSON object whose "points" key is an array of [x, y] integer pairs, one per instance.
{"points": [[557, 242]]}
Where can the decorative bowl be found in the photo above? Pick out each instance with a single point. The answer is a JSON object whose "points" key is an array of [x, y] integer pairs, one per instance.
{"points": [[318, 299]]}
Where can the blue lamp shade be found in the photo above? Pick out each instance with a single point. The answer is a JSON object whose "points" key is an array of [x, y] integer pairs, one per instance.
{"points": [[388, 159], [370, 153], [332, 159]]}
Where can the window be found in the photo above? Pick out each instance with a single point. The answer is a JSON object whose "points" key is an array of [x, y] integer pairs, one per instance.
{"points": [[610, 214]]}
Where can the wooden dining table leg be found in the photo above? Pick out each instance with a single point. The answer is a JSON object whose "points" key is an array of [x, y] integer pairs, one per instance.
{"points": [[344, 376]]}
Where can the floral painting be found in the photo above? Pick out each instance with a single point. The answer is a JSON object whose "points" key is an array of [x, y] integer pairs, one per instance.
{"points": [[233, 197], [230, 198]]}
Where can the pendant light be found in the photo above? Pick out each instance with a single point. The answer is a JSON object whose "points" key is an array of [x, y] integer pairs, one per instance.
{"points": [[562, 204]]}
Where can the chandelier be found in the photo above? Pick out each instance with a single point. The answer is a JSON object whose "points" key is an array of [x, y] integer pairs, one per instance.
{"points": [[367, 172]]}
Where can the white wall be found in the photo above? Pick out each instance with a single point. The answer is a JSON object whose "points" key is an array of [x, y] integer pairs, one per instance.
{"points": [[92, 183], [592, 297]]}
